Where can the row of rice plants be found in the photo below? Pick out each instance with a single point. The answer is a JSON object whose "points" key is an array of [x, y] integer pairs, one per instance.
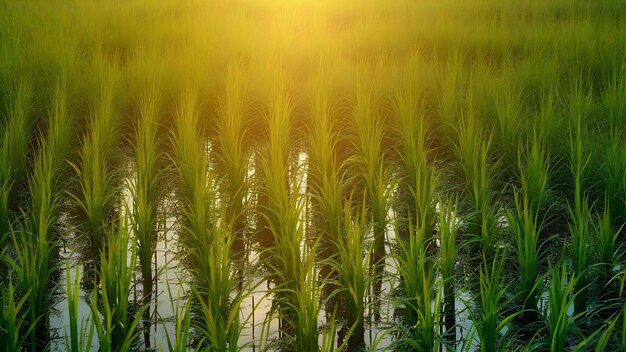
{"points": [[35, 241], [206, 236]]}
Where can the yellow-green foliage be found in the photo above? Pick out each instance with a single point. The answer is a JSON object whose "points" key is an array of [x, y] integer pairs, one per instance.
{"points": [[402, 101]]}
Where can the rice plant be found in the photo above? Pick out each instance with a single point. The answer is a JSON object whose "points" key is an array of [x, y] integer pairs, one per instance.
{"points": [[447, 226], [605, 253], [473, 156], [579, 226], [369, 160], [98, 174], [179, 342], [418, 175], [118, 330], [233, 155], [13, 318], [325, 179], [13, 155], [526, 224], [81, 332], [283, 212], [418, 290], [352, 265], [147, 193], [562, 296], [206, 236], [214, 281], [490, 322], [35, 242]]}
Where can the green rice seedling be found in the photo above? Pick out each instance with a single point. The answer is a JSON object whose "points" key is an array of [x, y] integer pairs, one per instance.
{"points": [[605, 338], [117, 331], [13, 317], [579, 228], [13, 154], [605, 251], [447, 227], [579, 209], [449, 99], [309, 302], [352, 265], [326, 183], [233, 154], [472, 153], [218, 322], [418, 175], [190, 158], [179, 342], [534, 172], [418, 274], [147, 193], [35, 243], [510, 115], [79, 337], [489, 322], [613, 171], [369, 160], [562, 297], [206, 237], [97, 174], [526, 226], [283, 211]]}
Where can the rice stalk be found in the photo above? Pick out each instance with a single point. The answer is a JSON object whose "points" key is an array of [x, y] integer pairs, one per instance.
{"points": [[206, 236], [13, 317], [117, 331], [13, 155], [605, 252], [352, 265], [79, 337], [147, 193], [562, 296], [418, 274], [233, 156], [98, 175], [418, 176], [579, 226], [35, 243], [369, 160], [447, 227], [473, 156], [489, 322]]}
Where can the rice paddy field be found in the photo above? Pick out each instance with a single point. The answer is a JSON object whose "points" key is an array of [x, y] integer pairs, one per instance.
{"points": [[291, 175]]}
